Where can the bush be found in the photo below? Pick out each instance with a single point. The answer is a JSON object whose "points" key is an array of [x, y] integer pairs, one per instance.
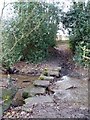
{"points": [[30, 33]]}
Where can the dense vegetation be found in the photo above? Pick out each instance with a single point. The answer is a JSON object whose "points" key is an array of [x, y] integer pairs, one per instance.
{"points": [[29, 35], [31, 32], [77, 21]]}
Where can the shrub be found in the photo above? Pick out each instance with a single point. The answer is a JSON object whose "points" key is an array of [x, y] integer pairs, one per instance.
{"points": [[30, 33], [77, 21]]}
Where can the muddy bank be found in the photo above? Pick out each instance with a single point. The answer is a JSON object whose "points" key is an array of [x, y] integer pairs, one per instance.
{"points": [[61, 56]]}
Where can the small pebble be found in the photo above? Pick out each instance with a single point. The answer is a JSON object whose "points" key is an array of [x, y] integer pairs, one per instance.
{"points": [[28, 114], [23, 113], [13, 112], [8, 113]]}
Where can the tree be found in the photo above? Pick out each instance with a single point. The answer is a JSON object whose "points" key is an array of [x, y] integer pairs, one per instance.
{"points": [[29, 35]]}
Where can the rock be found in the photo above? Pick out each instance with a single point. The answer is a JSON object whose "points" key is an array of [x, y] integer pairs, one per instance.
{"points": [[61, 94], [38, 90], [8, 114], [56, 69], [41, 83], [38, 99], [13, 113], [60, 86], [18, 100], [23, 113], [72, 91], [48, 78], [18, 108], [34, 90], [54, 73], [27, 108], [7, 96], [65, 78]]}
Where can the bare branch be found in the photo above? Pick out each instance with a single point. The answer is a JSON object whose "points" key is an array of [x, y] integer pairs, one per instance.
{"points": [[2, 10]]}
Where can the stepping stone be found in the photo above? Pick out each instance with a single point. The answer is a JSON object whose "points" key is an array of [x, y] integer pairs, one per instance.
{"points": [[54, 73], [65, 84], [38, 100], [57, 69], [41, 83], [62, 94], [18, 99], [37, 90], [48, 78], [34, 90]]}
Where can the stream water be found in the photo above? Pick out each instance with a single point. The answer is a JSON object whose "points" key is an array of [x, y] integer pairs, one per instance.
{"points": [[13, 93], [21, 80], [78, 95]]}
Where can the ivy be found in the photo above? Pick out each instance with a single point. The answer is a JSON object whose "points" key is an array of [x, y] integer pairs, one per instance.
{"points": [[77, 21]]}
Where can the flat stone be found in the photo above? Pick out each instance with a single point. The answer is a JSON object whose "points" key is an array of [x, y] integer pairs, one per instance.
{"points": [[56, 69], [62, 94], [71, 90], [65, 84], [54, 73], [27, 108], [48, 78], [41, 83], [18, 99], [37, 90], [65, 78], [38, 100], [34, 90]]}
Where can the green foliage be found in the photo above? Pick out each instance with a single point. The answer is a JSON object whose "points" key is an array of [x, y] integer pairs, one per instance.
{"points": [[30, 33], [77, 21], [80, 53], [45, 73], [25, 95]]}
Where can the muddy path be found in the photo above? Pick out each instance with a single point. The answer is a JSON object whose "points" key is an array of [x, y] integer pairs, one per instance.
{"points": [[60, 56]]}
